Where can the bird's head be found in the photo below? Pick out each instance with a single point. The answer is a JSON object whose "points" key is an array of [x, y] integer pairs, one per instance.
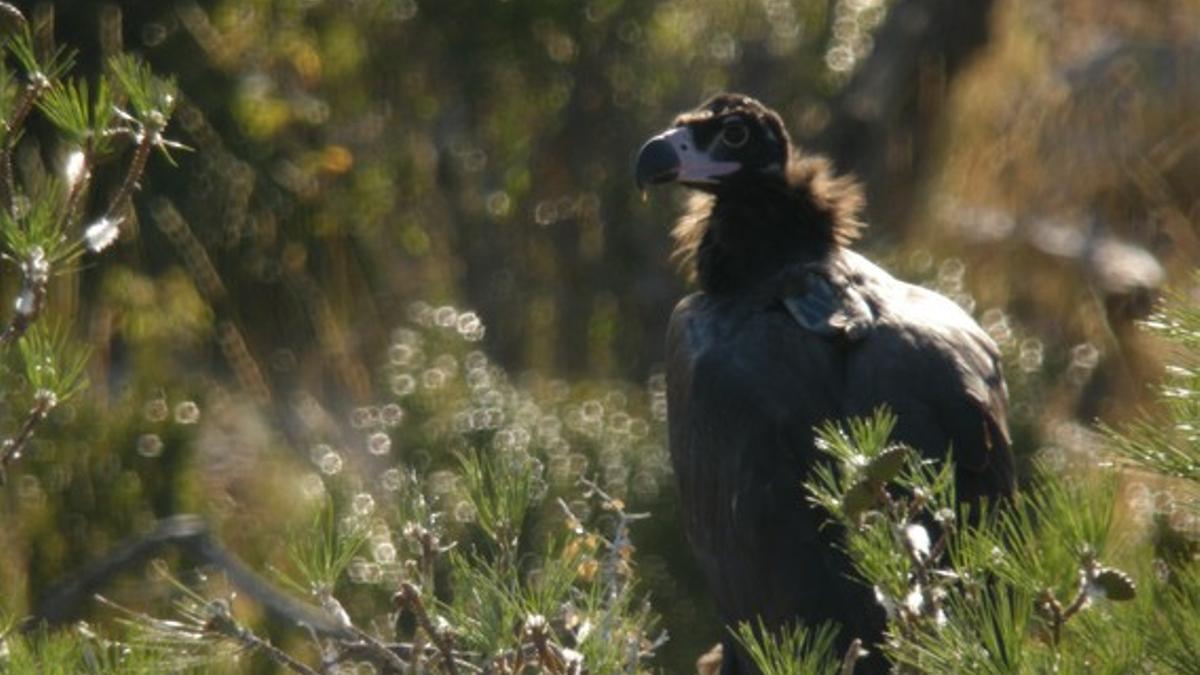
{"points": [[729, 139]]}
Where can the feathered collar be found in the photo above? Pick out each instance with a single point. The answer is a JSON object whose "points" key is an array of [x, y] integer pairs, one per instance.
{"points": [[729, 240]]}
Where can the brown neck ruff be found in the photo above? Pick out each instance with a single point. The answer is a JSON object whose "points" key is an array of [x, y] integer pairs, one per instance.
{"points": [[740, 234]]}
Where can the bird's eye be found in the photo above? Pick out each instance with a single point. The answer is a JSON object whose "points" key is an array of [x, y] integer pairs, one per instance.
{"points": [[735, 135]]}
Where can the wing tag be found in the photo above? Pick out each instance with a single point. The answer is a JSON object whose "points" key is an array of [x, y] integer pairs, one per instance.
{"points": [[828, 309]]}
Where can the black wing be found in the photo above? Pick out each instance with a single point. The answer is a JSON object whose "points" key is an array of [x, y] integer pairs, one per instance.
{"points": [[749, 377], [746, 386], [938, 371]]}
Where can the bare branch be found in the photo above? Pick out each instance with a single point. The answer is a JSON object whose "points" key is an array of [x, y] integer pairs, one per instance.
{"points": [[409, 596], [147, 137], [35, 275], [223, 623], [67, 601], [38, 84]]}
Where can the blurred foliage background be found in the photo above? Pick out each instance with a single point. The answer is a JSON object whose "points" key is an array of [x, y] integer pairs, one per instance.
{"points": [[369, 170]]}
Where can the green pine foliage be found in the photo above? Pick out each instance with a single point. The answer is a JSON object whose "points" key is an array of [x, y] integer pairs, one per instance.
{"points": [[147, 93], [80, 650], [485, 541], [46, 225], [1022, 587], [795, 650], [54, 363], [322, 551], [1169, 443]]}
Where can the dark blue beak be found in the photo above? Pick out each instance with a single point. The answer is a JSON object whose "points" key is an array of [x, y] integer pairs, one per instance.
{"points": [[657, 162]]}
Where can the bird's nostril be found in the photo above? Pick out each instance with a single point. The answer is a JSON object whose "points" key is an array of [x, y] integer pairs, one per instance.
{"points": [[683, 147]]}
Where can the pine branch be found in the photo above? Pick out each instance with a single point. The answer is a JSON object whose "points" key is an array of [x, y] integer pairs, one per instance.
{"points": [[11, 449], [409, 597], [223, 623], [35, 275], [12, 128], [147, 137], [66, 602]]}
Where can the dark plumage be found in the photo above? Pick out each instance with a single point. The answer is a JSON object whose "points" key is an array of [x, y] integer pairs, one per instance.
{"points": [[791, 329]]}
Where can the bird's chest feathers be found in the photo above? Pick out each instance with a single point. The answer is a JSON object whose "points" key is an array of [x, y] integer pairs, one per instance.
{"points": [[754, 368]]}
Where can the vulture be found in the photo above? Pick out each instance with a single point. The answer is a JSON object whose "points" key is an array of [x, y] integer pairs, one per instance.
{"points": [[790, 329]]}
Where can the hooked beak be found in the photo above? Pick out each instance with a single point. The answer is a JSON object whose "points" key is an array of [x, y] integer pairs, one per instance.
{"points": [[673, 156]]}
